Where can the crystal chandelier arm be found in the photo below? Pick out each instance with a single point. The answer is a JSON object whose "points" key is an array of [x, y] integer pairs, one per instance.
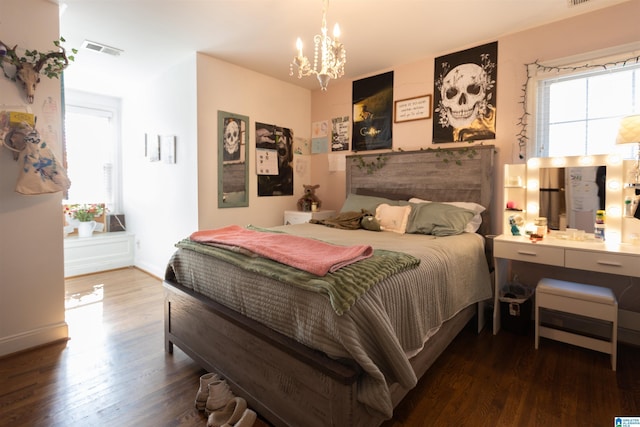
{"points": [[330, 53]]}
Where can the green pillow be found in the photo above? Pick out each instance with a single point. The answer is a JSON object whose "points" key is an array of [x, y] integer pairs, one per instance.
{"points": [[358, 203], [439, 219]]}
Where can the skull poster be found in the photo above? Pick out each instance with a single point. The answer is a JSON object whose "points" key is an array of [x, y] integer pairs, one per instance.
{"points": [[274, 160], [465, 95], [231, 141], [233, 179]]}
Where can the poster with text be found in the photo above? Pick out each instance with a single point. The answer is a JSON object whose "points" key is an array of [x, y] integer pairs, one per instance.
{"points": [[340, 134], [372, 112]]}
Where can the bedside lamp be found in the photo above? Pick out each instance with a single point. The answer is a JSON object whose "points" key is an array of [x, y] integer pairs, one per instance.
{"points": [[629, 133]]}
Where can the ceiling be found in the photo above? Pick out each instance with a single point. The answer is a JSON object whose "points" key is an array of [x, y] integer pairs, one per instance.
{"points": [[260, 34]]}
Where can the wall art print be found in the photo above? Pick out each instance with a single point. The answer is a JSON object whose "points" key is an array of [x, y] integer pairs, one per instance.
{"points": [[274, 160], [340, 133], [372, 112], [233, 160], [465, 95]]}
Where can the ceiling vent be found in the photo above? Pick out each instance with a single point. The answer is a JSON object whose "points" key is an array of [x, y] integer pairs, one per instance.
{"points": [[577, 2], [101, 48]]}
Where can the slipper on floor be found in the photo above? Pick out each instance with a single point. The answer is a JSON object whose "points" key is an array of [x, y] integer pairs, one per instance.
{"points": [[203, 391], [247, 420], [219, 395], [229, 414]]}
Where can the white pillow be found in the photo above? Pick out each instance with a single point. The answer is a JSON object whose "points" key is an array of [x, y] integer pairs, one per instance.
{"points": [[393, 218], [474, 223]]}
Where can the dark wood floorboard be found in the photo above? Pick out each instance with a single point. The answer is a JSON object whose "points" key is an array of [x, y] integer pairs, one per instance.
{"points": [[114, 372]]}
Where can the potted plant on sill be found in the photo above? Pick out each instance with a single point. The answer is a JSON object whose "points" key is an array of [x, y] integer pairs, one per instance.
{"points": [[83, 217]]}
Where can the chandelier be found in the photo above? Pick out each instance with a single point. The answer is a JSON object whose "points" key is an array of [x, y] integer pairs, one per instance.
{"points": [[329, 55]]}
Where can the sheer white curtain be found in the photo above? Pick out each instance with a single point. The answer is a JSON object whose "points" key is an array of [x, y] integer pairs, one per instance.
{"points": [[92, 143]]}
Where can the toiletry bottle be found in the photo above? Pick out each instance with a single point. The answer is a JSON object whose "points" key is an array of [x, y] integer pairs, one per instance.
{"points": [[599, 229], [627, 206]]}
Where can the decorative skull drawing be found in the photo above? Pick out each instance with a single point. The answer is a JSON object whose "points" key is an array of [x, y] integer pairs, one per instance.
{"points": [[231, 140], [463, 94]]}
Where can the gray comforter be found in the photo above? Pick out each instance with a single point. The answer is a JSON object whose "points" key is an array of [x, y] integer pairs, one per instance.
{"points": [[383, 329]]}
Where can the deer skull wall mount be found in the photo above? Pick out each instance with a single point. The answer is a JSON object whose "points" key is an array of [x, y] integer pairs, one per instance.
{"points": [[28, 68]]}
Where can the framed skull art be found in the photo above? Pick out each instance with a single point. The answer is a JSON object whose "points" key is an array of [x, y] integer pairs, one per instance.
{"points": [[233, 179], [465, 95]]}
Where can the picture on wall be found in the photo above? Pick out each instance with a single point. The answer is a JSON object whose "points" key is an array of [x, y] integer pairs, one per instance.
{"points": [[274, 160], [233, 161], [340, 133], [465, 95], [372, 112], [233, 147]]}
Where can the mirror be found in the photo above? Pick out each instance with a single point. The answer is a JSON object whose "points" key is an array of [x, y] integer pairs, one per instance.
{"points": [[613, 188], [233, 179], [570, 196]]}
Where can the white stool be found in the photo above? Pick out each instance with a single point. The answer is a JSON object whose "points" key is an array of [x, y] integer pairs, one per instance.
{"points": [[584, 300]]}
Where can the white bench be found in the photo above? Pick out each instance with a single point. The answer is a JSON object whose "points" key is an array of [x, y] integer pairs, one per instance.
{"points": [[584, 300]]}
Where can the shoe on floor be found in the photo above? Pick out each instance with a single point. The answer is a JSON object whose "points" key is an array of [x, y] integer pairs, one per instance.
{"points": [[228, 414], [219, 395], [247, 419], [203, 391]]}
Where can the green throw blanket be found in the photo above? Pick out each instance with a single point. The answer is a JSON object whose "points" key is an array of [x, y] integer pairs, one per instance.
{"points": [[343, 287]]}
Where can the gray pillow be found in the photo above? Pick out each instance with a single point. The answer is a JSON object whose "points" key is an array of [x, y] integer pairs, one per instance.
{"points": [[439, 219]]}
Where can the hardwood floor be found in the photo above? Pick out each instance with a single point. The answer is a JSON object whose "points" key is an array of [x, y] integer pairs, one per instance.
{"points": [[114, 372]]}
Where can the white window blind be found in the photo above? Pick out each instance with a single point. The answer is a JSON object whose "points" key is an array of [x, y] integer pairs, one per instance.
{"points": [[578, 112]]}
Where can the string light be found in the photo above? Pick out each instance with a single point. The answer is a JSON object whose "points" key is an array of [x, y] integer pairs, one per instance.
{"points": [[536, 66]]}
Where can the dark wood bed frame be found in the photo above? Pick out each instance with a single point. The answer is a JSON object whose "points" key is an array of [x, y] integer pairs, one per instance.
{"points": [[286, 382]]}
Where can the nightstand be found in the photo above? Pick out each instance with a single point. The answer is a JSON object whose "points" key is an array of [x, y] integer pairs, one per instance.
{"points": [[300, 217]]}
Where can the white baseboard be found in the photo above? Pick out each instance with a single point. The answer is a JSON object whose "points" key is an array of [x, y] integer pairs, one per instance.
{"points": [[152, 269], [34, 338]]}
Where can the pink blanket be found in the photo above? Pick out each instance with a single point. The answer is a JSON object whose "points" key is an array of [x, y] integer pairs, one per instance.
{"points": [[310, 255]]}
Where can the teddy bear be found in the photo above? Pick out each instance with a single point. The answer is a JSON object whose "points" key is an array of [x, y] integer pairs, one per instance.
{"points": [[306, 202]]}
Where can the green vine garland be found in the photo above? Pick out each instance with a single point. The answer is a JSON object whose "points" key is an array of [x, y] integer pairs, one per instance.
{"points": [[448, 155], [372, 166]]}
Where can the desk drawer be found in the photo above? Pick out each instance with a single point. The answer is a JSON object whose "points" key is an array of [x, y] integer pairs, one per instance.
{"points": [[625, 265], [529, 252]]}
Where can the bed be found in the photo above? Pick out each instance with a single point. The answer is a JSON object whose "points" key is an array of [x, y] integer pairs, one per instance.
{"points": [[327, 368]]}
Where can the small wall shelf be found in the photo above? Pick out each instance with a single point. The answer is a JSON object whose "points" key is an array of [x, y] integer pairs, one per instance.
{"points": [[514, 192]]}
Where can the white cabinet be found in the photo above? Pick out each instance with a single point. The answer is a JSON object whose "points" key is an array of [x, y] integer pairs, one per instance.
{"points": [[620, 259], [299, 217], [100, 252]]}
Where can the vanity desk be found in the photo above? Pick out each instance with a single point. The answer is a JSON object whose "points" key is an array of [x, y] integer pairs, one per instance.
{"points": [[590, 255]]}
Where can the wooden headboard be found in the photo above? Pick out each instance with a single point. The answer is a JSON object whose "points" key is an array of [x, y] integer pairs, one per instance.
{"points": [[425, 174]]}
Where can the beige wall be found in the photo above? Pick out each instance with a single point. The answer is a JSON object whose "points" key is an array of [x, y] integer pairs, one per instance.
{"points": [[226, 87], [605, 28], [164, 203], [31, 262], [160, 199]]}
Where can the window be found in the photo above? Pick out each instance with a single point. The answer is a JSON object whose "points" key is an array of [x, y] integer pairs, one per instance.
{"points": [[579, 111], [92, 130]]}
